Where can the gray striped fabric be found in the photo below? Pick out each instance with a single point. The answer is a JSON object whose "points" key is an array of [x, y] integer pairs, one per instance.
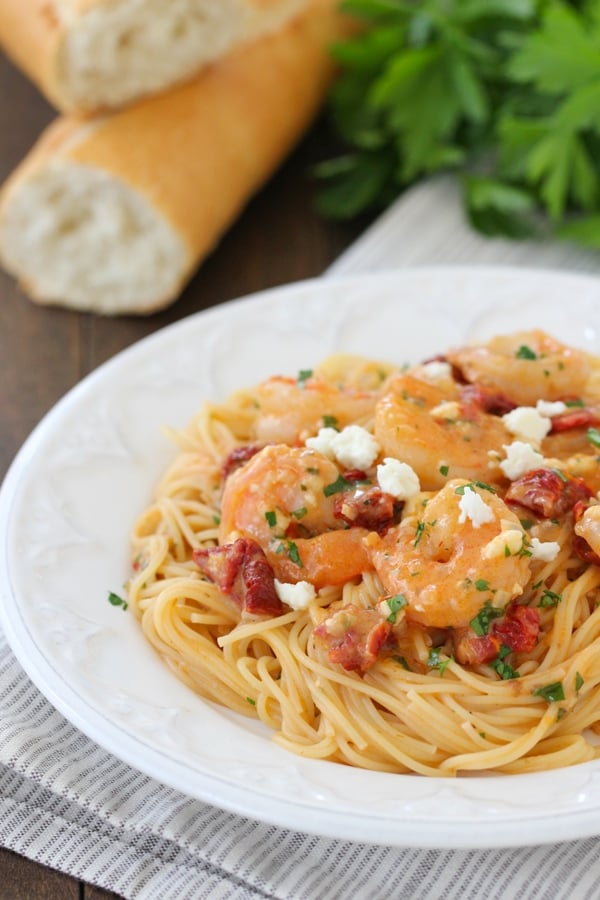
{"points": [[67, 803]]}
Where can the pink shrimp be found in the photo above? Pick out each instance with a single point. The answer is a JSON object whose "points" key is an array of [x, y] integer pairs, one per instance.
{"points": [[279, 499], [429, 427], [448, 565], [526, 366], [291, 410]]}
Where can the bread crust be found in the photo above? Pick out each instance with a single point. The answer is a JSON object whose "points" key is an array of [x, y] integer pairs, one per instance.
{"points": [[34, 34], [197, 153], [31, 33]]}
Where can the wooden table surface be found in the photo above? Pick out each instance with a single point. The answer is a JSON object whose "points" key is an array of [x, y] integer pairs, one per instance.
{"points": [[45, 351]]}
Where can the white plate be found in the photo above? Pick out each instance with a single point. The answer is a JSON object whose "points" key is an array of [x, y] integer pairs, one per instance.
{"points": [[81, 479]]}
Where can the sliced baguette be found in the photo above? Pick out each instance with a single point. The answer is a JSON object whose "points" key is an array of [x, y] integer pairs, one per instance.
{"points": [[88, 55], [113, 214]]}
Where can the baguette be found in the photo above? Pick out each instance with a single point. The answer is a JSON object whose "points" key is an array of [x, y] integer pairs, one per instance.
{"points": [[87, 55], [113, 214]]}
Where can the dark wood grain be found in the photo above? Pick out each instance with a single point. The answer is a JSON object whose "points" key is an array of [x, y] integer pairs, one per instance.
{"points": [[44, 352], [23, 880]]}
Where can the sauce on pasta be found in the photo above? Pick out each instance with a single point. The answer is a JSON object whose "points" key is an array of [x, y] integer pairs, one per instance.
{"points": [[396, 569]]}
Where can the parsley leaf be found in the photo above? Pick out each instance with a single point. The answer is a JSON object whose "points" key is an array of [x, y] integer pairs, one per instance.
{"points": [[336, 487], [303, 376], [549, 599], [502, 668], [395, 604], [593, 436], [550, 692], [525, 352], [291, 549], [401, 660], [115, 600], [481, 622], [419, 533], [480, 484], [504, 93], [436, 662]]}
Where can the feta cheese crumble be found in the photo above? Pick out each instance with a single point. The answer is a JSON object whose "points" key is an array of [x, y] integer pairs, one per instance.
{"points": [[298, 596], [474, 508], [527, 423], [520, 458], [398, 479], [323, 441], [551, 407], [546, 550], [354, 447], [435, 370]]}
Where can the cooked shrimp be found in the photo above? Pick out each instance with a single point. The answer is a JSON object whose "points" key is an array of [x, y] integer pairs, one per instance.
{"points": [[278, 499], [291, 409], [459, 553], [526, 366], [588, 528], [428, 427]]}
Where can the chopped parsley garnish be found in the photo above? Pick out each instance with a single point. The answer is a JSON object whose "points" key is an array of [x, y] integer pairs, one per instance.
{"points": [[525, 352], [340, 484], [527, 524], [300, 512], [435, 662], [271, 517], [579, 682], [419, 533], [251, 701], [574, 403], [482, 585], [480, 484], [560, 474], [549, 598], [550, 692], [444, 470], [504, 669], [115, 600], [216, 519], [304, 375], [401, 660], [395, 604], [593, 436], [524, 551], [481, 623], [292, 551], [330, 422]]}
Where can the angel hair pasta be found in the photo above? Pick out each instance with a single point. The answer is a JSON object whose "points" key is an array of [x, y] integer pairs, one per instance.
{"points": [[392, 569]]}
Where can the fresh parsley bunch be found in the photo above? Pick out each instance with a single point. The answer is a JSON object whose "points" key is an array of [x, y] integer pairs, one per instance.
{"points": [[505, 93]]}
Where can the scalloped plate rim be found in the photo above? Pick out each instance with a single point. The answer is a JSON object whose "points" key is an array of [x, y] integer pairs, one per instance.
{"points": [[417, 830]]}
